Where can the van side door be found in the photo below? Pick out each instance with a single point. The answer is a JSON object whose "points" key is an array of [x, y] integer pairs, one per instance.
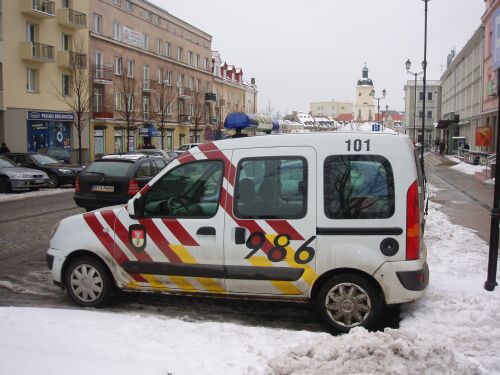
{"points": [[270, 236]]}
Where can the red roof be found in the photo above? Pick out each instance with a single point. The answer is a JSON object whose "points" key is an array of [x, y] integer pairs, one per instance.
{"points": [[344, 117]]}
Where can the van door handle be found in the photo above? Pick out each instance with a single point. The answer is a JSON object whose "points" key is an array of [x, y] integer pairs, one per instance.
{"points": [[206, 231], [239, 236]]}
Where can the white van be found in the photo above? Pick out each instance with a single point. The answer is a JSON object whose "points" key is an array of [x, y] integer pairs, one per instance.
{"points": [[335, 218]]}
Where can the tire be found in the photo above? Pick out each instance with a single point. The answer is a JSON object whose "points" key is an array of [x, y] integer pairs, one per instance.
{"points": [[5, 186], [346, 301], [53, 181], [88, 282]]}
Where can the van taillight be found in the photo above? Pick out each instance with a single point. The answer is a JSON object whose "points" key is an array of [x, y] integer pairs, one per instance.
{"points": [[133, 187], [412, 222], [77, 184]]}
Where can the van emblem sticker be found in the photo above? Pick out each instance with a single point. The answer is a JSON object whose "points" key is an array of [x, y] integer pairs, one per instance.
{"points": [[137, 237]]}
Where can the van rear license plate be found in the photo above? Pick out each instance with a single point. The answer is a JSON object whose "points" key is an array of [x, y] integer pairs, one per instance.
{"points": [[103, 189]]}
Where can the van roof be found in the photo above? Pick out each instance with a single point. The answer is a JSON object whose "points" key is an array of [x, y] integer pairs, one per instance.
{"points": [[307, 139]]}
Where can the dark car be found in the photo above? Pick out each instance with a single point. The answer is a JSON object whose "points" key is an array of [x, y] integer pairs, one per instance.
{"points": [[63, 155], [59, 173], [114, 179], [15, 178]]}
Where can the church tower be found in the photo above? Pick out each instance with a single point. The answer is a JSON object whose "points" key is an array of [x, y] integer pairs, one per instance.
{"points": [[364, 108]]}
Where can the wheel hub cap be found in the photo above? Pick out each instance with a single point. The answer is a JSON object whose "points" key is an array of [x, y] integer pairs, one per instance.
{"points": [[348, 304], [86, 283]]}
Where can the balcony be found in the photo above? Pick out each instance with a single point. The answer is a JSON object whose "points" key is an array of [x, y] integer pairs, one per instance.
{"points": [[37, 52], [102, 115], [71, 18], [103, 74], [210, 97], [69, 59], [184, 119], [38, 8], [184, 93], [146, 86]]}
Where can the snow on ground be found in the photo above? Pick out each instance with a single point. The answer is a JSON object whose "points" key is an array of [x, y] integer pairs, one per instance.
{"points": [[23, 195], [466, 168], [454, 329]]}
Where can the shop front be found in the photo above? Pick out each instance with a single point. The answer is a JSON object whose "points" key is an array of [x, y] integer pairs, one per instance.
{"points": [[49, 131]]}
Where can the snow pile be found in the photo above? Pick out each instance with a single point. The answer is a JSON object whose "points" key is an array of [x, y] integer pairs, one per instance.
{"points": [[362, 352], [42, 192], [467, 168]]}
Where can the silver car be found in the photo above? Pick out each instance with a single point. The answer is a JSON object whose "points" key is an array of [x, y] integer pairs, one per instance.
{"points": [[13, 177]]}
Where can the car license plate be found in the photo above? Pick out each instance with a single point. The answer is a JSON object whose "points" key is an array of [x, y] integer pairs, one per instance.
{"points": [[38, 180], [103, 189]]}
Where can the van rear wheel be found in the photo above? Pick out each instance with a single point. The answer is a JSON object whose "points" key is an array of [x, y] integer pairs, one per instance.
{"points": [[346, 301], [88, 282]]}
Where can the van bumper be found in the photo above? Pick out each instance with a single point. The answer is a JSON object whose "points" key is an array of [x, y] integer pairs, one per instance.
{"points": [[56, 261], [403, 281]]}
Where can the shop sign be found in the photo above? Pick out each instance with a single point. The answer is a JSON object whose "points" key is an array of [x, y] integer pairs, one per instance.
{"points": [[483, 136], [98, 133], [132, 37], [51, 116]]}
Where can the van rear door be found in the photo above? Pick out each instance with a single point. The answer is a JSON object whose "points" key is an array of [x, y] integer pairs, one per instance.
{"points": [[270, 236]]}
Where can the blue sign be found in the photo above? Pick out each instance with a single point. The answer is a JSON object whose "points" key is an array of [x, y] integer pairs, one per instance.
{"points": [[495, 41], [51, 116], [376, 127]]}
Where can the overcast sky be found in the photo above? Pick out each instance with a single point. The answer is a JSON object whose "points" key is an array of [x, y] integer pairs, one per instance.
{"points": [[302, 51]]}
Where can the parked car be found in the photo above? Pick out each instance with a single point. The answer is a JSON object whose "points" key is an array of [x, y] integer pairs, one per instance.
{"points": [[155, 152], [63, 155], [114, 179], [59, 173], [173, 153], [14, 178], [187, 146]]}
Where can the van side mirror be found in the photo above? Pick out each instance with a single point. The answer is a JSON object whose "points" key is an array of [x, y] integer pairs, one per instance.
{"points": [[135, 207]]}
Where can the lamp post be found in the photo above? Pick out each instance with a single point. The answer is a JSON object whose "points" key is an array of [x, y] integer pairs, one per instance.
{"points": [[408, 66], [424, 66], [386, 112], [378, 100]]}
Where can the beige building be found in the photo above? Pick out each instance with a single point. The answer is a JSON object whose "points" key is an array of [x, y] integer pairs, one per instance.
{"points": [[331, 109], [152, 75], [37, 44], [364, 109]]}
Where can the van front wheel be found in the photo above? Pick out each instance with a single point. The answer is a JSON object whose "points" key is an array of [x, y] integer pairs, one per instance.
{"points": [[346, 301]]}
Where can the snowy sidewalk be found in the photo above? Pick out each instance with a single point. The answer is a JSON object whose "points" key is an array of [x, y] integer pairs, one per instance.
{"points": [[454, 329], [30, 194]]}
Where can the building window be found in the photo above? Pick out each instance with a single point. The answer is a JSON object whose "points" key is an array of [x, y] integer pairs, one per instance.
{"points": [[130, 6], [191, 83], [145, 40], [420, 114], [190, 58], [31, 80], [168, 47], [198, 60], [117, 31], [117, 2], [169, 78], [207, 87], [160, 75], [421, 95], [66, 42], [118, 65], [179, 54], [157, 19], [66, 85], [198, 85], [64, 3], [97, 100], [145, 107], [429, 114], [169, 108], [207, 64], [429, 96], [130, 68], [97, 28], [158, 46], [118, 101], [130, 103], [148, 15]]}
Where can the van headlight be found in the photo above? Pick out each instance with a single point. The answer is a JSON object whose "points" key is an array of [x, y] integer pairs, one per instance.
{"points": [[54, 229]]}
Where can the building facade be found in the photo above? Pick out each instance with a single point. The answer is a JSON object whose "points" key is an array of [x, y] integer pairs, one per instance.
{"points": [[364, 109], [462, 94], [152, 82], [414, 110], [331, 109], [40, 41], [489, 124]]}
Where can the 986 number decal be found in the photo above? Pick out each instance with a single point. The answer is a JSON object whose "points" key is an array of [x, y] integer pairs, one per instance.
{"points": [[277, 253]]}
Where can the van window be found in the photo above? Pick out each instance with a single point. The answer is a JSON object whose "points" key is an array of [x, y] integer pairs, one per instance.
{"points": [[190, 190], [271, 188], [358, 187]]}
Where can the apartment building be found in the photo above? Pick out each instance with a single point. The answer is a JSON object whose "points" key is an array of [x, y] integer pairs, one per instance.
{"points": [[462, 94], [38, 40], [152, 81], [332, 109]]}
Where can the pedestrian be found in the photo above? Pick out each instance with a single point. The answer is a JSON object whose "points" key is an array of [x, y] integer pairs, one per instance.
{"points": [[4, 148], [441, 148], [466, 146], [436, 144]]}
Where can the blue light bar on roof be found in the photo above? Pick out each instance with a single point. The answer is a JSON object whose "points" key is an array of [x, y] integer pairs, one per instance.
{"points": [[247, 121]]}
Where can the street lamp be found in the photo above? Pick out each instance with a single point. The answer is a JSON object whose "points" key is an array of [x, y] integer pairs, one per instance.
{"points": [[408, 66], [386, 112], [424, 66], [378, 100]]}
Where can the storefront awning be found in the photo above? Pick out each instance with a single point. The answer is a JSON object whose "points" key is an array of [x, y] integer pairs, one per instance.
{"points": [[443, 124]]}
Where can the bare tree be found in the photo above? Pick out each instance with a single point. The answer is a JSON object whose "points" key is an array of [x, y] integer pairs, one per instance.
{"points": [[269, 111], [165, 96], [128, 104], [76, 89], [198, 112]]}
